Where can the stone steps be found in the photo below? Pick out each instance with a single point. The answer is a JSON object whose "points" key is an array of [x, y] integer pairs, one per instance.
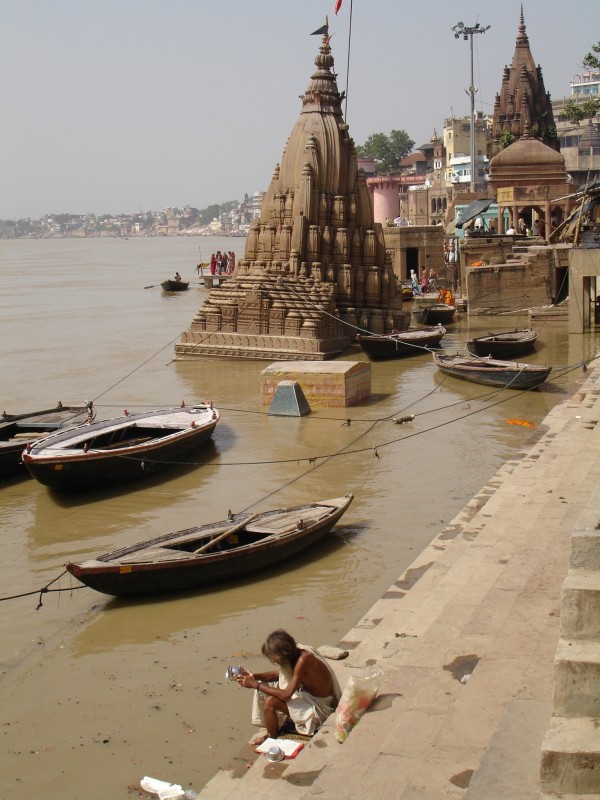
{"points": [[571, 757], [466, 638], [571, 750], [577, 679]]}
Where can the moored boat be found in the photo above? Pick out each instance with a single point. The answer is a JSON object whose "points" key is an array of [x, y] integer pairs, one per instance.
{"points": [[435, 314], [115, 451], [17, 430], [399, 344], [504, 344], [210, 553], [492, 372]]}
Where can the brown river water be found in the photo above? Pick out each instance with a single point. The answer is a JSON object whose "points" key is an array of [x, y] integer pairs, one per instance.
{"points": [[97, 692]]}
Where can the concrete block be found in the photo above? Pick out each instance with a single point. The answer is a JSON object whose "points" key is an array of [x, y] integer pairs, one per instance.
{"points": [[577, 679], [580, 605], [585, 549], [571, 756], [324, 383]]}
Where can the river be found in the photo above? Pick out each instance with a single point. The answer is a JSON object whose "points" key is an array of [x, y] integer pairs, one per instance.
{"points": [[97, 692]]}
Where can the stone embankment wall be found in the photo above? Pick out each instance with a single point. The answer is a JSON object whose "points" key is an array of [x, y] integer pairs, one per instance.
{"points": [[570, 763]]}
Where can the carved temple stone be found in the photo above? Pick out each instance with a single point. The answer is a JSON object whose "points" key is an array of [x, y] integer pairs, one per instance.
{"points": [[523, 103], [315, 263]]}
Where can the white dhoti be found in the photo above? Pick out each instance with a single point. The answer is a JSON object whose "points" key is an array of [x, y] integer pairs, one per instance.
{"points": [[306, 711]]}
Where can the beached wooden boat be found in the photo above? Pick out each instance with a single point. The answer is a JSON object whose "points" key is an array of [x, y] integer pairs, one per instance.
{"points": [[122, 449], [17, 430], [174, 286], [210, 553], [492, 372], [504, 344], [435, 314], [401, 343]]}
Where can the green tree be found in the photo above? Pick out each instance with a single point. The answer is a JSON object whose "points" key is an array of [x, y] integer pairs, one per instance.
{"points": [[592, 61], [387, 151], [577, 112]]}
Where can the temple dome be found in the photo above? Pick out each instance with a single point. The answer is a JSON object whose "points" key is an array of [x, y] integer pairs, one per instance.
{"points": [[590, 139], [527, 161]]}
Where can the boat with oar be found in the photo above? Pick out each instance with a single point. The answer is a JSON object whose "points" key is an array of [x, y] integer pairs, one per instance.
{"points": [[492, 372], [17, 430], [212, 553], [115, 451], [174, 285], [399, 344], [504, 344]]}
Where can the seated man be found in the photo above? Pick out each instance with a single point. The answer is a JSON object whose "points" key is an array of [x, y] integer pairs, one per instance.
{"points": [[305, 689]]}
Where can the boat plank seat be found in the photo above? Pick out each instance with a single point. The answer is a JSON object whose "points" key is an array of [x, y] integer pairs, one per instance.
{"points": [[124, 443], [152, 554], [283, 523]]}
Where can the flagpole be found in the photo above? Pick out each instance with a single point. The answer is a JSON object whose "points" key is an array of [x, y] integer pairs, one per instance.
{"points": [[348, 64]]}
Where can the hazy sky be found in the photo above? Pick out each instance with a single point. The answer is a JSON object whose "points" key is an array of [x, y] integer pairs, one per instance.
{"points": [[125, 105]]}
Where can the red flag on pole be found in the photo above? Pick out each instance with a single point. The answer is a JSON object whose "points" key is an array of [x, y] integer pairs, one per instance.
{"points": [[337, 6]]}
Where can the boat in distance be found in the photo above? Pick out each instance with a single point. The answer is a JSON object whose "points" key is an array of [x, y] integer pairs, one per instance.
{"points": [[171, 285], [504, 344], [17, 430], [212, 553], [492, 372], [399, 344], [119, 450], [435, 314]]}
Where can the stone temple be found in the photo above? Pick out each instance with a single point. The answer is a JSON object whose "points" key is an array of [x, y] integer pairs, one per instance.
{"points": [[315, 267]]}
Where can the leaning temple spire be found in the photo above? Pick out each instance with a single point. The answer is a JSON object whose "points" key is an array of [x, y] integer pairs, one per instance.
{"points": [[523, 99], [315, 266]]}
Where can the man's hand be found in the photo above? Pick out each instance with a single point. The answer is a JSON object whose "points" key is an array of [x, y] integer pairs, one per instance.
{"points": [[247, 680]]}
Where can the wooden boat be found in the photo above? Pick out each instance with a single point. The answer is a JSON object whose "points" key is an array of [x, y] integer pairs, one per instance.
{"points": [[171, 285], [122, 449], [17, 430], [435, 314], [491, 372], [210, 553], [401, 343], [505, 344], [406, 290]]}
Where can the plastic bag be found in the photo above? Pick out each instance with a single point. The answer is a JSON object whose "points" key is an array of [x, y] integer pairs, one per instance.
{"points": [[358, 694]]}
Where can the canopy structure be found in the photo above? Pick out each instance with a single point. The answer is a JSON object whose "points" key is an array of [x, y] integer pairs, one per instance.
{"points": [[473, 210]]}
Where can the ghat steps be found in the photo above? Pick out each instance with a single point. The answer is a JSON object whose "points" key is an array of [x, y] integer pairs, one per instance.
{"points": [[470, 642]]}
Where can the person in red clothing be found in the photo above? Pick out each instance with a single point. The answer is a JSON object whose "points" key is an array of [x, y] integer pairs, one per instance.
{"points": [[213, 264]]}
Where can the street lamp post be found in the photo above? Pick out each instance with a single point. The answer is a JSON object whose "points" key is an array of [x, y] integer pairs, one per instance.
{"points": [[460, 29]]}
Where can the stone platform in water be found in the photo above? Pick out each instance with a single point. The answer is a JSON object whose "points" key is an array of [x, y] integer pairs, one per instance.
{"points": [[332, 383]]}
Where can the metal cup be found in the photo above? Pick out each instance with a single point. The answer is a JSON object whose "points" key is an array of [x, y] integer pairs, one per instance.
{"points": [[275, 753], [233, 672]]}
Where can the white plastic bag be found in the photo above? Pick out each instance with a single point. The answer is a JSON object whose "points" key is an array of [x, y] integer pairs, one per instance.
{"points": [[358, 694], [164, 790]]}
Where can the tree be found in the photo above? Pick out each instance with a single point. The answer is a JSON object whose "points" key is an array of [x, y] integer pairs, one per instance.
{"points": [[387, 151], [592, 61], [577, 112]]}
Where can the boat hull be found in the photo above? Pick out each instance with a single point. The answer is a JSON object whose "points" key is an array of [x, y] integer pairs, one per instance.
{"points": [[399, 345], [437, 314], [508, 345], [17, 430], [492, 372], [175, 286], [60, 464], [131, 577]]}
